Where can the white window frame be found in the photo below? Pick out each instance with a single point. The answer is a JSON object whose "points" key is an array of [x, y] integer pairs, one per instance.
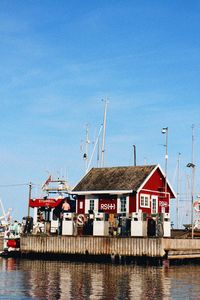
{"points": [[119, 204], [146, 198], [120, 199], [154, 198], [90, 202], [87, 203]]}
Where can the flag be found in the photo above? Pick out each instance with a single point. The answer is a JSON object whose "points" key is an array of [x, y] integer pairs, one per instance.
{"points": [[47, 182]]}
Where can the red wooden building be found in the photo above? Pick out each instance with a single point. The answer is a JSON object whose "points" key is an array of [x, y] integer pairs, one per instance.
{"points": [[124, 190]]}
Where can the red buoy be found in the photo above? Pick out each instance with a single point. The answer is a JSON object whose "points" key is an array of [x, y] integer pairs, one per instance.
{"points": [[13, 243]]}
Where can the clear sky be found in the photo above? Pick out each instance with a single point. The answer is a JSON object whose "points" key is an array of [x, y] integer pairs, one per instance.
{"points": [[59, 59]]}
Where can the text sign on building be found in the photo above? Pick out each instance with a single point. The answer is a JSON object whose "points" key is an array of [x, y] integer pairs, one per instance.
{"points": [[108, 205], [163, 203], [49, 202]]}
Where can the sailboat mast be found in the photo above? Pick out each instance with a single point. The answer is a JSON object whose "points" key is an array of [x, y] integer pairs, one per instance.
{"points": [[134, 155], [104, 133], [87, 141], [192, 166], [192, 182], [178, 190], [95, 144], [165, 131]]}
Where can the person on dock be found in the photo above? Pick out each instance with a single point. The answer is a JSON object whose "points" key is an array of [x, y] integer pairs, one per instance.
{"points": [[65, 206], [65, 209]]}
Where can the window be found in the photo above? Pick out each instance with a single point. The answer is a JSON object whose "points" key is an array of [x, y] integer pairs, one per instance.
{"points": [[123, 204], [144, 200], [92, 204], [154, 205]]}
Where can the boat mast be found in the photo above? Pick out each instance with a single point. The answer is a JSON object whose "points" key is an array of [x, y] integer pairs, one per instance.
{"points": [[87, 141], [95, 144], [192, 166], [192, 182], [134, 155], [29, 197], [178, 190], [98, 153], [104, 133], [165, 131]]}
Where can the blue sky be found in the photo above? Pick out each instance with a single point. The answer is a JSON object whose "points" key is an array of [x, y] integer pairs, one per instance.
{"points": [[59, 59]]}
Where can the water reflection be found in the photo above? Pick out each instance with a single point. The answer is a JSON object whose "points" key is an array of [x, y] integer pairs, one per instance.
{"points": [[37, 279]]}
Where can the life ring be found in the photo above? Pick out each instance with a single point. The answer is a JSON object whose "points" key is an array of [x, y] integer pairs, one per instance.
{"points": [[197, 205], [80, 220]]}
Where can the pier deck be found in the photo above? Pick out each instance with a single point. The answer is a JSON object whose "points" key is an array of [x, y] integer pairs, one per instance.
{"points": [[161, 248]]}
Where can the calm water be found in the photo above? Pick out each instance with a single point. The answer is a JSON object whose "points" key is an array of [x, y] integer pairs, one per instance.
{"points": [[27, 279]]}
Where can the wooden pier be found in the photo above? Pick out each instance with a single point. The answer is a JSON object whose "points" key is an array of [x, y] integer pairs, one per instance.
{"points": [[156, 248]]}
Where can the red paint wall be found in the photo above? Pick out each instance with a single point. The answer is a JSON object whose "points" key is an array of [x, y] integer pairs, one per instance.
{"points": [[155, 186], [156, 181], [132, 203], [81, 202]]}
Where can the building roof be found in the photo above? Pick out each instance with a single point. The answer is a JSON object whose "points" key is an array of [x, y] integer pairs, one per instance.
{"points": [[114, 178]]}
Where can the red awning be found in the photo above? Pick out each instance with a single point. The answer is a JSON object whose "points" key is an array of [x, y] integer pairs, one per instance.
{"points": [[41, 202]]}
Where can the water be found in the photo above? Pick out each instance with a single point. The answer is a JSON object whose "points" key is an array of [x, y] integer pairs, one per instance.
{"points": [[36, 279]]}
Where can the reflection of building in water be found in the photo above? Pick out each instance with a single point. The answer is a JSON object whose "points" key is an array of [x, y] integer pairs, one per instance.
{"points": [[96, 285], [81, 278], [136, 285], [42, 278], [66, 286], [10, 264], [116, 282], [44, 283], [57, 280], [148, 283], [64, 280]]}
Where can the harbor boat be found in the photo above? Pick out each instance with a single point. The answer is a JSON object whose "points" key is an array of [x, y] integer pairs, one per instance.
{"points": [[12, 240], [47, 210], [5, 218], [9, 232]]}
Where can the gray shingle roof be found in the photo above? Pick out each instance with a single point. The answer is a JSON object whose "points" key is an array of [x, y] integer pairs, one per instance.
{"points": [[114, 178]]}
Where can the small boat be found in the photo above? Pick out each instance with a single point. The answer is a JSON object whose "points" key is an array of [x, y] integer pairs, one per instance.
{"points": [[10, 231], [47, 209]]}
